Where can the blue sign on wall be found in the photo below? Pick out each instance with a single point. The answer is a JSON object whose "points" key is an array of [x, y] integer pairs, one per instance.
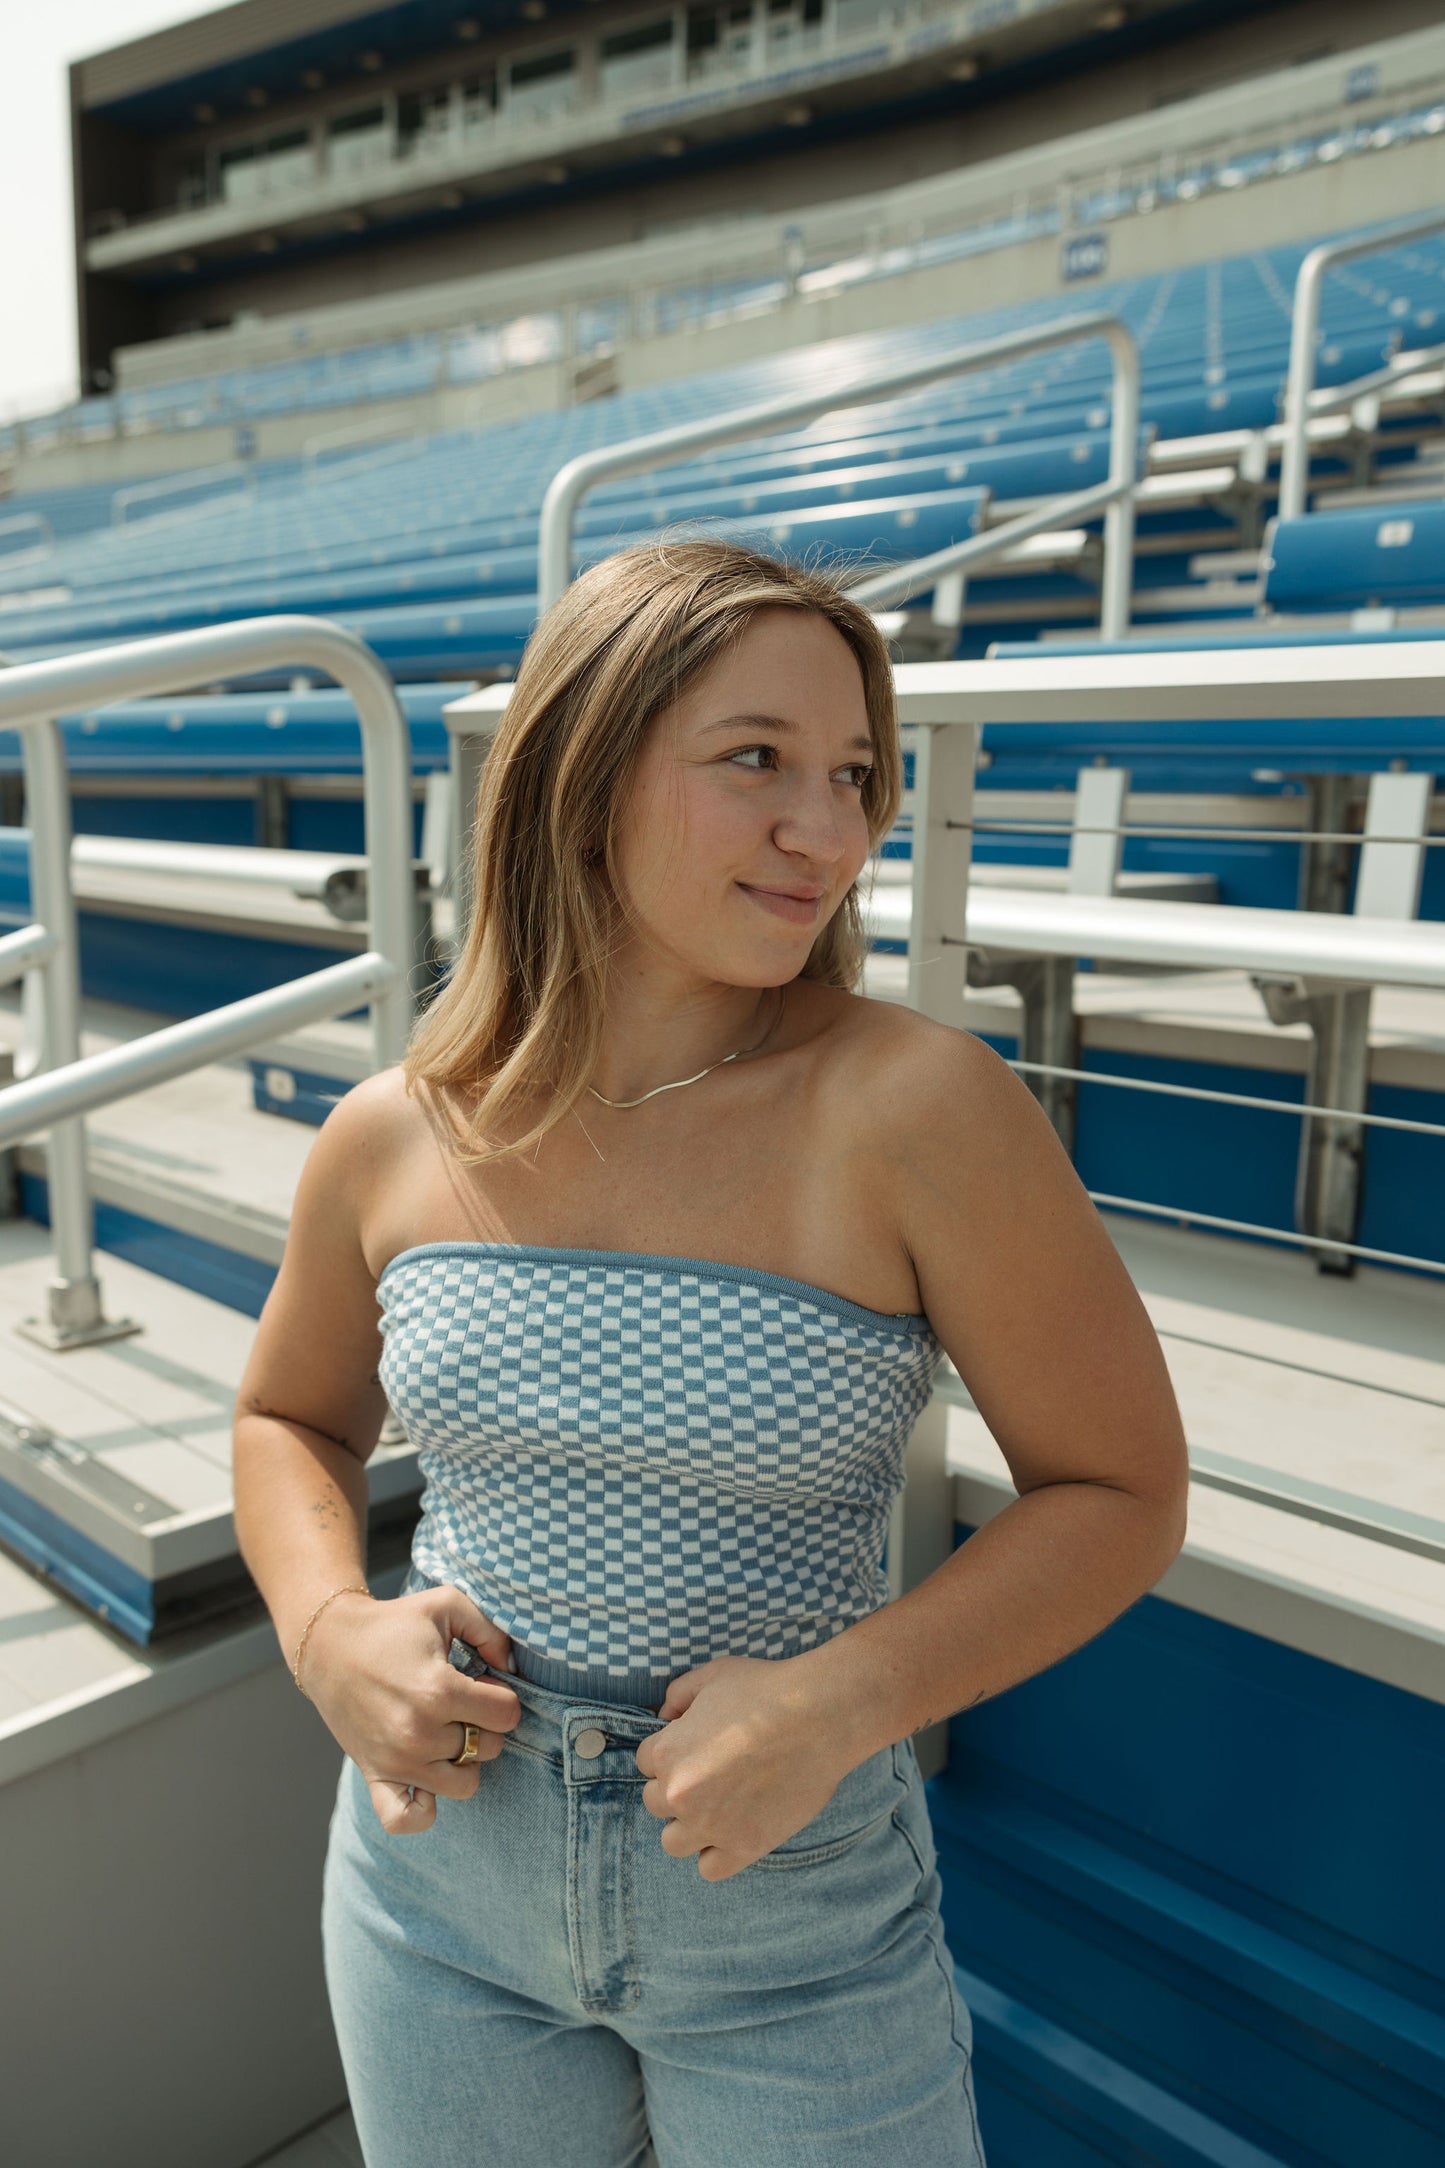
{"points": [[1085, 256]]}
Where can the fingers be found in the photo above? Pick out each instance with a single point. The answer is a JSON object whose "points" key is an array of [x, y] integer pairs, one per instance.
{"points": [[401, 1809], [460, 1701], [460, 1620], [405, 1796], [422, 1765], [419, 1764], [651, 1796], [480, 1701], [406, 1803], [676, 1841]]}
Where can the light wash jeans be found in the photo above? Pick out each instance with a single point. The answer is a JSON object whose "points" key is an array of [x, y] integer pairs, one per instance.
{"points": [[534, 1983]]}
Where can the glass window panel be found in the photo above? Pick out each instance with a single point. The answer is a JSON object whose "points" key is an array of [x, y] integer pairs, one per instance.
{"points": [[639, 58], [542, 84]]}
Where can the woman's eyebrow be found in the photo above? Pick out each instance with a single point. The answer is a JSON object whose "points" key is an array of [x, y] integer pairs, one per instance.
{"points": [[784, 723]]}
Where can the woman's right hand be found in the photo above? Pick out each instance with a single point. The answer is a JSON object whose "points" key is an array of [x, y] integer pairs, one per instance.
{"points": [[389, 1696]]}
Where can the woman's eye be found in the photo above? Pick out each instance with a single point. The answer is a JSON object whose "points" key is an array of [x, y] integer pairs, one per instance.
{"points": [[859, 769]]}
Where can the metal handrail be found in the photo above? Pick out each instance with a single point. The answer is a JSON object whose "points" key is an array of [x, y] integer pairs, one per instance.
{"points": [[1304, 328], [22, 950], [376, 445], [168, 485], [44, 548], [322, 877], [1409, 362], [905, 580], [68, 1086], [1188, 936], [570, 484]]}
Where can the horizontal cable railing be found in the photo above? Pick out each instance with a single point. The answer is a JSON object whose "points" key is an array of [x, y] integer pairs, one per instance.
{"points": [[1314, 967], [1309, 967], [1333, 1120], [1198, 832]]}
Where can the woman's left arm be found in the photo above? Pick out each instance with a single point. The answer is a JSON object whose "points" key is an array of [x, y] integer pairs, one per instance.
{"points": [[1037, 1312]]}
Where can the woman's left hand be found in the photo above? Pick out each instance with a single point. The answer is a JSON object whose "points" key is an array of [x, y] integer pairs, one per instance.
{"points": [[747, 1760]]}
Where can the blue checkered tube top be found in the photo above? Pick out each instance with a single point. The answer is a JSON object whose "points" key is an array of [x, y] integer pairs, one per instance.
{"points": [[635, 1462]]}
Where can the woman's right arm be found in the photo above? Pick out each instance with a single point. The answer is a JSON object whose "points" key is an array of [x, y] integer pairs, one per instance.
{"points": [[309, 1410]]}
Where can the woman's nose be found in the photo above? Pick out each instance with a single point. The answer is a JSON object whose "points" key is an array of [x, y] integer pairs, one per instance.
{"points": [[811, 823]]}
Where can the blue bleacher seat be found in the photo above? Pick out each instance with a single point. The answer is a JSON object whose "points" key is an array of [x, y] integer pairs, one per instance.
{"points": [[1391, 556]]}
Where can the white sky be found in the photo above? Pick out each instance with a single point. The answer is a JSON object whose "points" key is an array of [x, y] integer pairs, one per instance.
{"points": [[38, 40]]}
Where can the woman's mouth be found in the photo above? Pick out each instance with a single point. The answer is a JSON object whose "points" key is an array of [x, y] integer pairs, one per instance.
{"points": [[799, 910]]}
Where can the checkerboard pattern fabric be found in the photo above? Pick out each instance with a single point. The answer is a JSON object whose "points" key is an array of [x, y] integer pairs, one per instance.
{"points": [[638, 1462]]}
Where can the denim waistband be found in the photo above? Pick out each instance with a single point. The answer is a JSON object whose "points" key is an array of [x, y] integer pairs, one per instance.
{"points": [[634, 1689], [637, 1689]]}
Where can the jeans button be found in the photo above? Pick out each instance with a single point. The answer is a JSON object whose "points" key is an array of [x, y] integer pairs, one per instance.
{"points": [[590, 1743]]}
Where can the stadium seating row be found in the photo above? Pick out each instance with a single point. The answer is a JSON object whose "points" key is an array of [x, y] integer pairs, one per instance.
{"points": [[430, 553]]}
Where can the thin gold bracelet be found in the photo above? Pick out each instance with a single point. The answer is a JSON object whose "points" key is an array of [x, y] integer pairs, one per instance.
{"points": [[358, 1588]]}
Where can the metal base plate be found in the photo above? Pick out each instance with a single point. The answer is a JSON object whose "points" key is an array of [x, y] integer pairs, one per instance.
{"points": [[60, 1337]]}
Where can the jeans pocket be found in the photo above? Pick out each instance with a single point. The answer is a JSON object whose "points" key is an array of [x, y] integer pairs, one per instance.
{"points": [[863, 1801]]}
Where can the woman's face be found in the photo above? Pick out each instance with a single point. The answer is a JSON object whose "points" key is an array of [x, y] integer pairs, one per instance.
{"points": [[751, 782]]}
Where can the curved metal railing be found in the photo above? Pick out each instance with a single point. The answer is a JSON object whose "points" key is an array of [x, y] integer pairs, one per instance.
{"points": [[69, 1085], [1299, 400], [570, 484]]}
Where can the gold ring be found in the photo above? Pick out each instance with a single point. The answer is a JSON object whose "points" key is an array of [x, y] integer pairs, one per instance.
{"points": [[471, 1745]]}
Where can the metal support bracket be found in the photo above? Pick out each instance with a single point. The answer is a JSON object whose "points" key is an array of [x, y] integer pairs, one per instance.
{"points": [[1324, 867], [1329, 1174], [1048, 1026]]}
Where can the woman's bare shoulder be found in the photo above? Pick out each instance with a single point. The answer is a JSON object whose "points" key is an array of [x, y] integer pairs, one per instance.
{"points": [[913, 1090], [881, 1042], [391, 1136], [370, 1134], [886, 1067], [377, 1109]]}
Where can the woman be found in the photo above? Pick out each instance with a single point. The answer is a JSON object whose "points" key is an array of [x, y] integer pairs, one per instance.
{"points": [[655, 1241]]}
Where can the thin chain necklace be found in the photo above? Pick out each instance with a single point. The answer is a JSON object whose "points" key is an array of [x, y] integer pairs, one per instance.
{"points": [[701, 1072]]}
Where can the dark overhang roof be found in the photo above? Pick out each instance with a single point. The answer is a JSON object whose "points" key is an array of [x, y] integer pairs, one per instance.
{"points": [[153, 84]]}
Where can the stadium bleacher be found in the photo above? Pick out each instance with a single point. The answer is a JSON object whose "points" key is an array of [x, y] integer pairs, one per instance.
{"points": [[398, 367], [429, 556]]}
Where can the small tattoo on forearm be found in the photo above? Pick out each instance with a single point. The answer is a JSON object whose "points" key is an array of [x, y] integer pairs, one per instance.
{"points": [[981, 1695]]}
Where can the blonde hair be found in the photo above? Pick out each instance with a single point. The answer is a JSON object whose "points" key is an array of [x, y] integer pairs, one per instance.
{"points": [[521, 1010]]}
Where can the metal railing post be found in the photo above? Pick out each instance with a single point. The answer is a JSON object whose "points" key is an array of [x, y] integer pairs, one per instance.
{"points": [[945, 755], [570, 484], [1119, 518], [1304, 328], [32, 696], [74, 1289]]}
